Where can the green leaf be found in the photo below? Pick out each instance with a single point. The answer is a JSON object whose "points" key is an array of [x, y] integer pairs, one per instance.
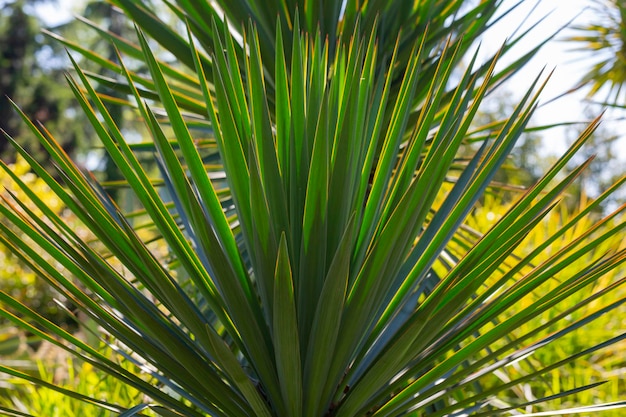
{"points": [[226, 359], [326, 326], [285, 330]]}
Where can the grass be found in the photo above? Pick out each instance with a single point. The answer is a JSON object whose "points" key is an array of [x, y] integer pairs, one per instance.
{"points": [[62, 370]]}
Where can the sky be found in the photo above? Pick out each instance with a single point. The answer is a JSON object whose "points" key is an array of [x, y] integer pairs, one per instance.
{"points": [[556, 55], [569, 66]]}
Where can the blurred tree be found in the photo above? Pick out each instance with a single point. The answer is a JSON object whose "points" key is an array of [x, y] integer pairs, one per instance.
{"points": [[32, 73], [32, 77], [16, 42]]}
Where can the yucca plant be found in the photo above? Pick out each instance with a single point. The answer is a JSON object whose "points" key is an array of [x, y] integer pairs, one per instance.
{"points": [[311, 198]]}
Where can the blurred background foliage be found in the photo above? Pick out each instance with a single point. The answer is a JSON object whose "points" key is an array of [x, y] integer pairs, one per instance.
{"points": [[19, 281], [32, 73], [71, 373], [606, 365]]}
